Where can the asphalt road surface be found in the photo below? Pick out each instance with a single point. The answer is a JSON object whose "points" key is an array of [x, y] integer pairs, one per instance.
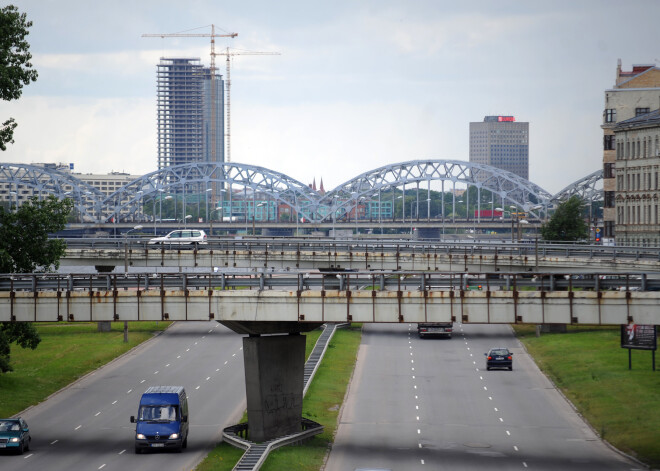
{"points": [[430, 404], [87, 426]]}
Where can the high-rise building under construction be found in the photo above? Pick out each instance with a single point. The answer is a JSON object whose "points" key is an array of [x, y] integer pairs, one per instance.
{"points": [[190, 113]]}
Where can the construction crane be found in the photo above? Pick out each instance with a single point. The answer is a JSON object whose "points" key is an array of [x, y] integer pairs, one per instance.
{"points": [[229, 52], [212, 35]]}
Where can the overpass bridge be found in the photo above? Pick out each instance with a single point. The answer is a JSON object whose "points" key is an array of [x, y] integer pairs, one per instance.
{"points": [[259, 304], [261, 254]]}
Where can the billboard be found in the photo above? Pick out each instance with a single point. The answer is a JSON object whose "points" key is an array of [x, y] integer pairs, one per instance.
{"points": [[639, 336]]}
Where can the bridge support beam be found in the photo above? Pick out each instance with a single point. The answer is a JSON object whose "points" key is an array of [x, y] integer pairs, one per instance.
{"points": [[274, 367]]}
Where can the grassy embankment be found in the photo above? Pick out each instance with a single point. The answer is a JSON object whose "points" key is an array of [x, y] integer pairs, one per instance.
{"points": [[591, 369], [66, 352], [321, 404]]}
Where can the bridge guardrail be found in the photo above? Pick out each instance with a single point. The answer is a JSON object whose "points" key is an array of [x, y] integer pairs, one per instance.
{"points": [[342, 281]]}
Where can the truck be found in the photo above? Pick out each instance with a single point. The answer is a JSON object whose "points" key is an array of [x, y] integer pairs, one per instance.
{"points": [[435, 328], [162, 419]]}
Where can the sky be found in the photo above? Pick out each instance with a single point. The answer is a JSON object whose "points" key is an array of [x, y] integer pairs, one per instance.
{"points": [[357, 85]]}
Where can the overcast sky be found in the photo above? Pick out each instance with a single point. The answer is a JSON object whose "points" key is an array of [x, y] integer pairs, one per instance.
{"points": [[358, 84]]}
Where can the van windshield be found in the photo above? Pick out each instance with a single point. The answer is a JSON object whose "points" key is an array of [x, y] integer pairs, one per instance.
{"points": [[165, 413]]}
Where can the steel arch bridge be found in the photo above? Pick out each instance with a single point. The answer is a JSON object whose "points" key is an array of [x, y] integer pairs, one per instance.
{"points": [[223, 179], [200, 178], [510, 188], [589, 189], [48, 181]]}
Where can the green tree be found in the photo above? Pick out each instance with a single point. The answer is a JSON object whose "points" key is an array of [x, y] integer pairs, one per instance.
{"points": [[567, 223], [15, 66], [26, 248]]}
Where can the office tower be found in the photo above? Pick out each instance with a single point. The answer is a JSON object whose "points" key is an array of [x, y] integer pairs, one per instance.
{"points": [[501, 142]]}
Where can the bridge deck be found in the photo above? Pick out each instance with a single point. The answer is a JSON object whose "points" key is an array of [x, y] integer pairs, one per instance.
{"points": [[349, 298]]}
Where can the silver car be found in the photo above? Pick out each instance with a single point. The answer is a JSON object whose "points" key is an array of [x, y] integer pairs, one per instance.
{"points": [[181, 237]]}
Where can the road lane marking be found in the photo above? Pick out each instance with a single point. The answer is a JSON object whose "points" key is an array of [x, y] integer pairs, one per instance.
{"points": [[197, 387], [481, 378], [26, 457], [515, 447], [155, 372], [419, 431], [490, 398], [234, 355], [225, 363], [77, 427], [485, 388], [508, 433], [54, 442], [179, 356], [417, 407], [195, 343], [413, 376], [97, 414], [417, 418], [208, 378], [142, 381], [501, 419], [121, 452], [524, 464], [129, 391], [187, 350], [167, 366], [114, 403], [422, 461], [102, 466], [495, 409], [217, 369], [415, 386]]}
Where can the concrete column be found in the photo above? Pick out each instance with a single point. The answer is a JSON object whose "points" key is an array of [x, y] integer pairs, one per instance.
{"points": [[274, 367]]}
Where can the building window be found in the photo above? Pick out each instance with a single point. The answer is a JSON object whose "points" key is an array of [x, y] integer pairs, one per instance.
{"points": [[608, 228], [610, 115], [608, 170], [608, 142], [639, 111], [609, 199]]}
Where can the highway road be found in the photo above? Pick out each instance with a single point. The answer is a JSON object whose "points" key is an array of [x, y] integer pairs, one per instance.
{"points": [[430, 404], [87, 426]]}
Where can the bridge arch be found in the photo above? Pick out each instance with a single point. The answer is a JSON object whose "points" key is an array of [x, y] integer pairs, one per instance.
{"points": [[589, 189], [217, 182], [45, 181], [510, 189]]}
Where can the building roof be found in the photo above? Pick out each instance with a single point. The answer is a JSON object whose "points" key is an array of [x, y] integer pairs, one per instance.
{"points": [[643, 120]]}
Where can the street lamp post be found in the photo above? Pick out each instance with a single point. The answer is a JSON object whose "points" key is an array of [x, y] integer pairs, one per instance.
{"points": [[138, 227]]}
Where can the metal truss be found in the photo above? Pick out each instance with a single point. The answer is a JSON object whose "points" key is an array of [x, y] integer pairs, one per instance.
{"points": [[508, 187], [589, 189], [221, 180], [47, 181], [248, 182]]}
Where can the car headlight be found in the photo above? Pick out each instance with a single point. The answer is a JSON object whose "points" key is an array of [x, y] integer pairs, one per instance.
{"points": [[139, 436], [174, 436], [15, 440]]}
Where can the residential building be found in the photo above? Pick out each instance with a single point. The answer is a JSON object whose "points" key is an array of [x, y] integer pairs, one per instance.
{"points": [[637, 201], [635, 92], [501, 142]]}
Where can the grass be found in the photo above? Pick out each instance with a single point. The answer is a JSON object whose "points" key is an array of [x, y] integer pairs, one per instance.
{"points": [[321, 404], [67, 351], [591, 369]]}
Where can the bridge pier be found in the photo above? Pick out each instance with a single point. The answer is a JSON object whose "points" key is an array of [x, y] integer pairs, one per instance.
{"points": [[274, 376]]}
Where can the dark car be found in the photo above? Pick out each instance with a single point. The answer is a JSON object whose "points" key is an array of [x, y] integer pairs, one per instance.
{"points": [[499, 358], [14, 435]]}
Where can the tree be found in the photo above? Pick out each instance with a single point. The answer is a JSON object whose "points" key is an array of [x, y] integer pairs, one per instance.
{"points": [[26, 248], [566, 224], [15, 66]]}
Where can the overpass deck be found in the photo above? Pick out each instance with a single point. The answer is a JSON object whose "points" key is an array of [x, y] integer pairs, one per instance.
{"points": [[347, 297]]}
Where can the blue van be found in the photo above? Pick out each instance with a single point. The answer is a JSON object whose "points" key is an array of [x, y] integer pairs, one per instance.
{"points": [[162, 420]]}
